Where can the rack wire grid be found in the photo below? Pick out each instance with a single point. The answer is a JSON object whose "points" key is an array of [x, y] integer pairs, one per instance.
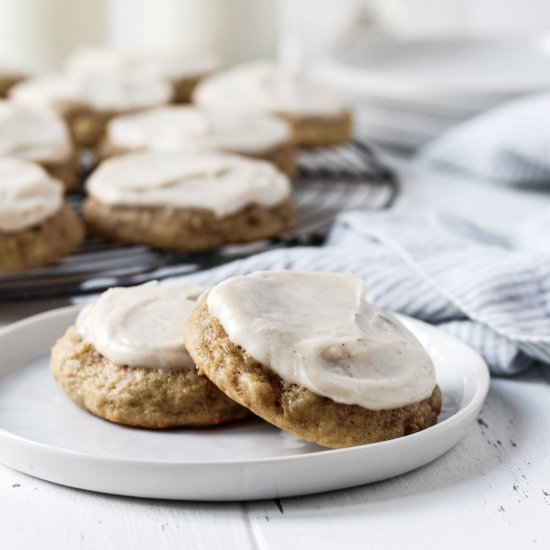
{"points": [[330, 180]]}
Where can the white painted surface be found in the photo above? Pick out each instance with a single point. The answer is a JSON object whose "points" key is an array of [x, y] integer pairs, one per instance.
{"points": [[44, 434], [491, 491]]}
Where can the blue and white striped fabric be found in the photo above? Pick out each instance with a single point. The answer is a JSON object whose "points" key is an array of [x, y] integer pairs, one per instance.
{"points": [[509, 144], [490, 290]]}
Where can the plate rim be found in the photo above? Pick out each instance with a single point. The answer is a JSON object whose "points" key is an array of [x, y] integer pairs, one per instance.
{"points": [[474, 404], [429, 89]]}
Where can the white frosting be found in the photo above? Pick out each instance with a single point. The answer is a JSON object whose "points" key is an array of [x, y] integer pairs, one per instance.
{"points": [[316, 330], [265, 87], [191, 129], [141, 326], [124, 91], [172, 66], [219, 182], [37, 135], [47, 91], [28, 195], [105, 90]]}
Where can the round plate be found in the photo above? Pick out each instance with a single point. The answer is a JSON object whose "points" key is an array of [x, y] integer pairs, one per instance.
{"points": [[42, 433], [454, 74]]}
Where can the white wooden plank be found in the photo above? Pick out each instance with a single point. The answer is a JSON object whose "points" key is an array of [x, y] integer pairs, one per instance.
{"points": [[491, 491], [480, 493], [38, 514]]}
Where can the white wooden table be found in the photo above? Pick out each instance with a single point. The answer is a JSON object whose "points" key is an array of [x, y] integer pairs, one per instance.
{"points": [[491, 491]]}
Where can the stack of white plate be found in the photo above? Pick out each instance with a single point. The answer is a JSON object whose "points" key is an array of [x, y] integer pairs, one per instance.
{"points": [[407, 92]]}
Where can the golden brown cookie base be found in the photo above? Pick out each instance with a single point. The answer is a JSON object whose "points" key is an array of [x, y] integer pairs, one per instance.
{"points": [[43, 244], [290, 407], [283, 156], [65, 171], [189, 229], [183, 88], [85, 125], [9, 81], [321, 132], [133, 396]]}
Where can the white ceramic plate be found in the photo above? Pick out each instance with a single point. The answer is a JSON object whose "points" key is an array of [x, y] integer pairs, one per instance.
{"points": [[412, 90], [448, 75], [44, 434]]}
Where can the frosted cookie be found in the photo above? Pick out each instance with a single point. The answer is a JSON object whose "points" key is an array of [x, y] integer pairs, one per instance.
{"points": [[317, 116], [87, 103], [190, 202], [190, 129], [64, 96], [183, 72], [40, 136], [307, 353], [36, 227], [125, 361]]}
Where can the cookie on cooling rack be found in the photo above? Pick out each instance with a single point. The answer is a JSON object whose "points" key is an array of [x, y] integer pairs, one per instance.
{"points": [[89, 101], [182, 71], [125, 361], [185, 128], [186, 201], [41, 136], [36, 227], [307, 353], [317, 116]]}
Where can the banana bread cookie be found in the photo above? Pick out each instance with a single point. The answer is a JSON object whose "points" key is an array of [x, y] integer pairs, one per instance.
{"points": [[317, 117], [36, 227], [87, 103], [125, 361], [307, 353], [183, 72], [41, 136], [187, 201], [186, 128]]}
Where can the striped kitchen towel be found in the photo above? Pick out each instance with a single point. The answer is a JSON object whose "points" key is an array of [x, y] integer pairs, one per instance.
{"points": [[509, 144], [490, 290]]}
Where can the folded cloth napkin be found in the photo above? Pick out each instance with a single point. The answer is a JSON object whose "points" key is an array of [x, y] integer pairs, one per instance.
{"points": [[490, 290], [509, 144]]}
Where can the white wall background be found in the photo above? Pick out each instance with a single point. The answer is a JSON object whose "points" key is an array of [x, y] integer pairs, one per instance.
{"points": [[235, 29], [39, 33]]}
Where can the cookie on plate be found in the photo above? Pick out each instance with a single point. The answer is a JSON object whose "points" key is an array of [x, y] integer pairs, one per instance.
{"points": [[41, 136], [87, 103], [182, 71], [317, 116], [307, 353], [179, 128], [125, 360], [36, 227], [186, 201]]}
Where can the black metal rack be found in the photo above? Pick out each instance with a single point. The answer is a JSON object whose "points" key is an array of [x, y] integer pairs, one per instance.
{"points": [[330, 180]]}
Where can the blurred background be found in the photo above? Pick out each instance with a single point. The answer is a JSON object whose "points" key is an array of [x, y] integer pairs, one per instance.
{"points": [[39, 34], [411, 68]]}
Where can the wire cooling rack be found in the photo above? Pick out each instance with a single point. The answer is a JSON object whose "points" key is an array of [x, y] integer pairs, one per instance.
{"points": [[330, 180]]}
